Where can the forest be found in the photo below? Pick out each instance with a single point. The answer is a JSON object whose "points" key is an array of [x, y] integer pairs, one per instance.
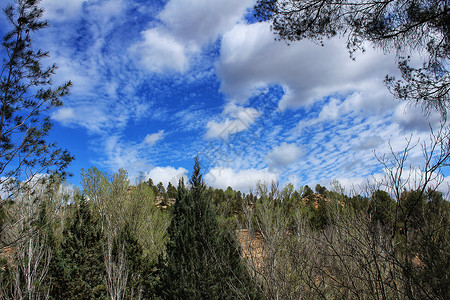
{"points": [[117, 240], [117, 237]]}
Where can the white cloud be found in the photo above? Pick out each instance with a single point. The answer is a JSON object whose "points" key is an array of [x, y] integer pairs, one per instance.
{"points": [[61, 10], [160, 52], [283, 155], [370, 142], [251, 59], [167, 174], [238, 119], [100, 118], [93, 119], [196, 22], [151, 139], [243, 180], [121, 154], [330, 112], [105, 10], [186, 26], [64, 115]]}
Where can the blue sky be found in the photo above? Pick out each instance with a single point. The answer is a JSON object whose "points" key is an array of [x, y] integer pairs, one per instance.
{"points": [[156, 82]]}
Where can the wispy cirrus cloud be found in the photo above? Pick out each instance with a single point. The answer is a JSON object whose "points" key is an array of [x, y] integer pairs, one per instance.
{"points": [[151, 139]]}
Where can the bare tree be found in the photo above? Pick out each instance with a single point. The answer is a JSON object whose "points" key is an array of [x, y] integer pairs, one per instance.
{"points": [[116, 271], [28, 250]]}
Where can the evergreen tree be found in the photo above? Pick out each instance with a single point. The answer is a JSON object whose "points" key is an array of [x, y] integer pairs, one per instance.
{"points": [[171, 191], [162, 193], [381, 208], [307, 191], [26, 98], [78, 270], [203, 262]]}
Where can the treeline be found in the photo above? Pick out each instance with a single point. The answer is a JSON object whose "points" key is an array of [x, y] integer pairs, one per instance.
{"points": [[115, 240]]}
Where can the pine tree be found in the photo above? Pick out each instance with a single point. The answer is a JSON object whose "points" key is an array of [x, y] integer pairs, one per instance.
{"points": [[78, 269], [26, 97], [171, 191], [203, 261]]}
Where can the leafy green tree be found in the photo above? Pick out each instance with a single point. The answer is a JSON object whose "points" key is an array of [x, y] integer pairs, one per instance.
{"points": [[153, 187], [400, 26], [423, 238], [203, 262], [23, 274], [26, 96], [432, 245]]}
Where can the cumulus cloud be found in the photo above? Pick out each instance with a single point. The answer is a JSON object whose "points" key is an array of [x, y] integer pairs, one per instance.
{"points": [[151, 139], [243, 180], [201, 21], [251, 59], [167, 174], [160, 52], [330, 111], [283, 155], [238, 119], [186, 26]]}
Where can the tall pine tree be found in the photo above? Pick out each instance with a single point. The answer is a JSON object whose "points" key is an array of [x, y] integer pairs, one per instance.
{"points": [[203, 261], [78, 269]]}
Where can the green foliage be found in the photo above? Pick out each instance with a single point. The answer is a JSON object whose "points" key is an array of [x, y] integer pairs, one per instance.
{"points": [[78, 269], [203, 262], [171, 191], [424, 249], [118, 204], [321, 190], [137, 268], [381, 208], [307, 191], [26, 97]]}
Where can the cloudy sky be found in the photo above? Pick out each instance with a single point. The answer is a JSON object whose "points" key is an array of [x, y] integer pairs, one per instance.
{"points": [[157, 82]]}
